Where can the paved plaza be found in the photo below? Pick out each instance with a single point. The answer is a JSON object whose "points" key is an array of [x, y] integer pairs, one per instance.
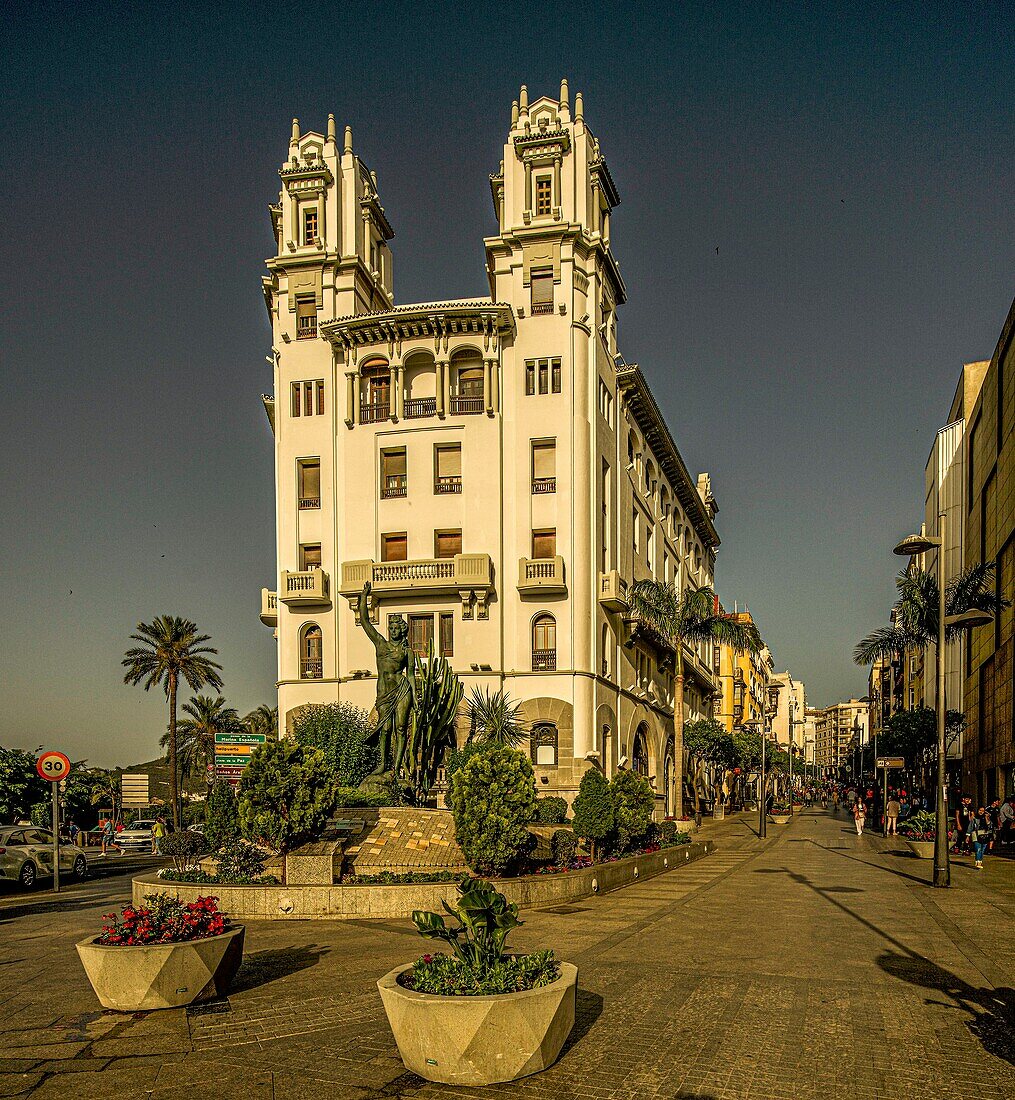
{"points": [[809, 964]]}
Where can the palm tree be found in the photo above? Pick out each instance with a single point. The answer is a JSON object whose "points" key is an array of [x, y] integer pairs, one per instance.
{"points": [[170, 648], [687, 617], [106, 791], [263, 719], [195, 745], [915, 614], [494, 718]]}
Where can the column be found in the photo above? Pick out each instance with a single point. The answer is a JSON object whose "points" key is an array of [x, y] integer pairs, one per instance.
{"points": [[396, 370], [582, 577], [487, 384], [442, 370], [320, 214], [528, 187], [556, 184], [351, 404]]}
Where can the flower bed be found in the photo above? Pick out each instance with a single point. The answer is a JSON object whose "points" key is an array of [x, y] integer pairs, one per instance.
{"points": [[164, 920], [193, 874]]}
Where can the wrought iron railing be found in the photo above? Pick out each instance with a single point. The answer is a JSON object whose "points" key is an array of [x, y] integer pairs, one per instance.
{"points": [[311, 668], [374, 412], [544, 660], [448, 485], [420, 406], [466, 406]]}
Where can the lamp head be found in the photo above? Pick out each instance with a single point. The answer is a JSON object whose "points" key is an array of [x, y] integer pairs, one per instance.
{"points": [[969, 619], [916, 544]]}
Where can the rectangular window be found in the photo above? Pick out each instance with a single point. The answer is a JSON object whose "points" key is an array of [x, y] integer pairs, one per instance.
{"points": [[447, 468], [394, 546], [310, 483], [544, 467], [634, 531], [394, 482], [319, 388], [530, 377], [447, 543], [308, 399], [421, 634], [296, 398], [306, 318], [447, 634], [310, 556], [541, 283], [544, 543], [310, 225], [542, 376], [544, 195]]}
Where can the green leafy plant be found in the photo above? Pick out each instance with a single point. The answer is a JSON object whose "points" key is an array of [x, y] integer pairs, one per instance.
{"points": [[184, 849], [240, 861], [633, 802], [222, 817], [551, 810], [484, 919], [563, 847], [494, 718], [456, 759], [20, 785], [353, 796], [920, 826], [494, 798], [344, 734], [667, 832], [285, 795], [593, 812], [446, 976], [438, 693]]}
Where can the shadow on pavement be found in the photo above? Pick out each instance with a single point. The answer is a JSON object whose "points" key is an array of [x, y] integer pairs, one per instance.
{"points": [[991, 1010], [261, 967], [588, 1008]]}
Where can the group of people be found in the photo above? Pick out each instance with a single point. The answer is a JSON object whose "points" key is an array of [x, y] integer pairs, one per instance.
{"points": [[987, 829], [110, 829]]}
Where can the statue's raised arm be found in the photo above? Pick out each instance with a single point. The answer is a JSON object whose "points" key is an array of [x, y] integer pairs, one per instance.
{"points": [[363, 607]]}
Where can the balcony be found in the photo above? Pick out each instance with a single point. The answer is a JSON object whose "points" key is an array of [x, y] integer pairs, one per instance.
{"points": [[311, 668], [541, 307], [306, 328], [467, 575], [613, 591], [467, 406], [269, 607], [541, 575], [307, 503], [448, 486], [416, 407], [544, 660], [395, 485], [375, 412], [308, 588], [541, 485]]}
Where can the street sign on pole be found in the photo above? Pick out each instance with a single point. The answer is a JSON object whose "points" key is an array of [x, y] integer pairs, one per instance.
{"points": [[233, 752], [134, 789], [54, 766], [891, 762]]}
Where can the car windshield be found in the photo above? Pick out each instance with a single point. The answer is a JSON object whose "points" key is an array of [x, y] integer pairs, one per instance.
{"points": [[140, 825]]}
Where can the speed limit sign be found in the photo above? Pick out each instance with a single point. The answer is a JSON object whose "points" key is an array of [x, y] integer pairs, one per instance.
{"points": [[53, 766]]}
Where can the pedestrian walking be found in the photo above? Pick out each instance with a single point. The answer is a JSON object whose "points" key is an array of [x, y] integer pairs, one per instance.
{"points": [[963, 815], [108, 836], [980, 835], [892, 812], [1006, 819], [158, 832], [859, 816]]}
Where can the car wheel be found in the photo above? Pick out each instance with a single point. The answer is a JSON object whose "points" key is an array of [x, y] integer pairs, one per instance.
{"points": [[80, 867], [27, 875]]}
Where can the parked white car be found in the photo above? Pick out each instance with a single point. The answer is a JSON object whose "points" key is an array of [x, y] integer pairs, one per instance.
{"points": [[136, 837], [26, 855]]}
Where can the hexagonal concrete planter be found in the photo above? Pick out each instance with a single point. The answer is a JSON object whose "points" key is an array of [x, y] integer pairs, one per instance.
{"points": [[162, 975], [480, 1040], [780, 819], [922, 849]]}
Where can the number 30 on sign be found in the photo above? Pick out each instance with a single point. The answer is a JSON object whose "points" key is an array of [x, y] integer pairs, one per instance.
{"points": [[53, 766]]}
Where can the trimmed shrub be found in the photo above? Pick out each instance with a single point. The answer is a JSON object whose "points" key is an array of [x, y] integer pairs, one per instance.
{"points": [[494, 797], [184, 849], [563, 847], [633, 801], [353, 796], [222, 817], [343, 733], [240, 862], [593, 810], [667, 831], [551, 810], [286, 795], [456, 759]]}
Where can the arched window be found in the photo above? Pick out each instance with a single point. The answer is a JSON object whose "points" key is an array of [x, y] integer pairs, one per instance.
{"points": [[669, 787], [469, 390], [544, 643], [543, 744], [420, 387], [376, 403], [639, 754], [311, 652], [606, 649]]}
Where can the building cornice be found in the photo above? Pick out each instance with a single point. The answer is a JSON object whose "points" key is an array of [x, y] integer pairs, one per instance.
{"points": [[649, 419]]}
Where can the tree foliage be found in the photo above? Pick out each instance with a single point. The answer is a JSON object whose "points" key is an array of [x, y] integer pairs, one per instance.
{"points": [[170, 649], [21, 787], [344, 734], [222, 821], [494, 717], [263, 719], [285, 795], [195, 734], [592, 810], [709, 740], [633, 802], [494, 797]]}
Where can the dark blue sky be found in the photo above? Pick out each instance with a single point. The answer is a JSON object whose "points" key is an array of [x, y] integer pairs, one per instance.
{"points": [[852, 165]]}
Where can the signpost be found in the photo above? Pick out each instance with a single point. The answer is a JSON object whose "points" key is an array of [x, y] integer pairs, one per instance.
{"points": [[884, 763], [54, 766], [232, 753]]}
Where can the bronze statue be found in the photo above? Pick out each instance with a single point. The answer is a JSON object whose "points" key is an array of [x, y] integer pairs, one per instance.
{"points": [[395, 686]]}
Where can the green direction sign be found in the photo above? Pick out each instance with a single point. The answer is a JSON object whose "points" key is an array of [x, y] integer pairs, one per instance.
{"points": [[237, 761], [240, 738]]}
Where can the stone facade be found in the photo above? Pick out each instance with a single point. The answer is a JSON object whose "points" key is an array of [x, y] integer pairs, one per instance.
{"points": [[491, 465]]}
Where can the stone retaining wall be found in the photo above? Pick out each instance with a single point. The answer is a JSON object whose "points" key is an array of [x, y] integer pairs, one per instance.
{"points": [[342, 902]]}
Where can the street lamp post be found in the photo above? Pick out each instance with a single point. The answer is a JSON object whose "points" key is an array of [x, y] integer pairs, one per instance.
{"points": [[770, 710], [920, 544]]}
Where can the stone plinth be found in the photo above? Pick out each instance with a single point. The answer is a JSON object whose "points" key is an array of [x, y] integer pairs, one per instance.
{"points": [[316, 864]]}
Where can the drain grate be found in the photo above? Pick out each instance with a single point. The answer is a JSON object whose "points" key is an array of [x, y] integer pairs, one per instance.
{"points": [[568, 909]]}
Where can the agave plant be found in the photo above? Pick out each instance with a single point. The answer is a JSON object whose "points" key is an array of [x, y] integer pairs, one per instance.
{"points": [[438, 693], [493, 717]]}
